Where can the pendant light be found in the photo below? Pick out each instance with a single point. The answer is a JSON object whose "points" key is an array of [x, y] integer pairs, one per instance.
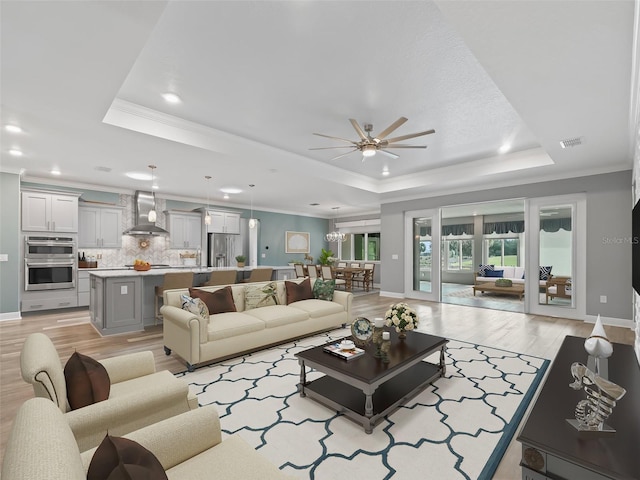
{"points": [[335, 236], [152, 213], [252, 221], [207, 217]]}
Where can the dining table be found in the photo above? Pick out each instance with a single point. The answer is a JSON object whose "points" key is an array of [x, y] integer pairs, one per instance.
{"points": [[348, 274]]}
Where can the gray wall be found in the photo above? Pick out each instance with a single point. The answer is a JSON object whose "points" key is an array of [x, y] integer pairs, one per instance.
{"points": [[10, 242], [608, 216]]}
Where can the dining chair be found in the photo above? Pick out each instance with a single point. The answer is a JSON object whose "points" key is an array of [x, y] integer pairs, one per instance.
{"points": [[328, 274], [369, 269], [357, 278], [313, 271], [299, 270]]}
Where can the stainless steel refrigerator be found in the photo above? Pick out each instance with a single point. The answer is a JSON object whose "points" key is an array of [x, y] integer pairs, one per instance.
{"points": [[222, 248]]}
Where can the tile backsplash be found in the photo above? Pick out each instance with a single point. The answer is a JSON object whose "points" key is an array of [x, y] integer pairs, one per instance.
{"points": [[158, 251]]}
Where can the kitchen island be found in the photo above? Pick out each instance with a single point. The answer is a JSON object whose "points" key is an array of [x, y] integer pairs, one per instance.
{"points": [[123, 300]]}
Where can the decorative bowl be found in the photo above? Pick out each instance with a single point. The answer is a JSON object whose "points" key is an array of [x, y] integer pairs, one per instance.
{"points": [[142, 268], [504, 282]]}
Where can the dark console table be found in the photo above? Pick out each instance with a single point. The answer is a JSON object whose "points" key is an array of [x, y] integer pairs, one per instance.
{"points": [[554, 450]]}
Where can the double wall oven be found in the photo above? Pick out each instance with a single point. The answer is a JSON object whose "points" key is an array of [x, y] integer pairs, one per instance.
{"points": [[49, 262]]}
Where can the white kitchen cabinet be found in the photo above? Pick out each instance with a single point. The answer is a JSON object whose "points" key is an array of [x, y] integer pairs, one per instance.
{"points": [[185, 229], [49, 212], [224, 222], [83, 288], [99, 227]]}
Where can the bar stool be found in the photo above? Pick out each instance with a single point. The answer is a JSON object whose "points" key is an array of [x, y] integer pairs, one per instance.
{"points": [[171, 281]]}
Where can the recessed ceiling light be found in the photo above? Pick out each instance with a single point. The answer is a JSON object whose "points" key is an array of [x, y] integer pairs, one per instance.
{"points": [[13, 128], [226, 196], [171, 97], [155, 187], [504, 148], [55, 171], [15, 152], [139, 176], [232, 190], [385, 171]]}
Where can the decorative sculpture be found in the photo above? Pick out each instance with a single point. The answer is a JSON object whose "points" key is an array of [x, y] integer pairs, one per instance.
{"points": [[602, 396], [599, 349]]}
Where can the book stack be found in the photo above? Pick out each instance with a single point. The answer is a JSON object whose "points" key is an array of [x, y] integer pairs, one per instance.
{"points": [[338, 351]]}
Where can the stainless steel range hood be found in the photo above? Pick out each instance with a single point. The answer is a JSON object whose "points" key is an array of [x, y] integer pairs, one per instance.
{"points": [[145, 202]]}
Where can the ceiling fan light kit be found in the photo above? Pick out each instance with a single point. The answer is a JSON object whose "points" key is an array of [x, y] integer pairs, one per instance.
{"points": [[369, 145]]}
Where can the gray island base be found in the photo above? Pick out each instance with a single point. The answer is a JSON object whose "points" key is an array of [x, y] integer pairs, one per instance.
{"points": [[122, 301]]}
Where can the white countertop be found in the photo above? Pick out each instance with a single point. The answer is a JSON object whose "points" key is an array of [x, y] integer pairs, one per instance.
{"points": [[105, 272]]}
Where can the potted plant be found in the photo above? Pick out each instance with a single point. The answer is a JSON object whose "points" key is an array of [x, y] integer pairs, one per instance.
{"points": [[326, 257], [241, 259]]}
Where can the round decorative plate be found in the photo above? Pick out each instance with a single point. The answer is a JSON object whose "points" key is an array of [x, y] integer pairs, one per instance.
{"points": [[362, 330]]}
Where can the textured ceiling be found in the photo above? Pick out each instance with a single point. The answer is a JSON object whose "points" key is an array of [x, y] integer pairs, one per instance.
{"points": [[256, 79]]}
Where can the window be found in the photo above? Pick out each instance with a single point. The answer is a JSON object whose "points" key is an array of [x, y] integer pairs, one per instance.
{"points": [[361, 246], [458, 254], [502, 252]]}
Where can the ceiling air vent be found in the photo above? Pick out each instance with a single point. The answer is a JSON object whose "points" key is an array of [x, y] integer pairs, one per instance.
{"points": [[571, 142]]}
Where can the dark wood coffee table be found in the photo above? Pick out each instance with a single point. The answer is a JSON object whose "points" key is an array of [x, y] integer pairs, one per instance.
{"points": [[364, 388]]}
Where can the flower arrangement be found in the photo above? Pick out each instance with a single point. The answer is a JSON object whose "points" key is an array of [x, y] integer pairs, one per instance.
{"points": [[402, 317]]}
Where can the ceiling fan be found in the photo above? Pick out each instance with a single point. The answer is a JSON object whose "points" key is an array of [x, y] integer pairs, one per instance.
{"points": [[369, 145]]}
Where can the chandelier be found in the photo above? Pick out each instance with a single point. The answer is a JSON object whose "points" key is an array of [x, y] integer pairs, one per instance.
{"points": [[335, 236]]}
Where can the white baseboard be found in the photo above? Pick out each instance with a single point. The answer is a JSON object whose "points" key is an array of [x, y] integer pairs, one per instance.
{"points": [[10, 316], [391, 294], [612, 321]]}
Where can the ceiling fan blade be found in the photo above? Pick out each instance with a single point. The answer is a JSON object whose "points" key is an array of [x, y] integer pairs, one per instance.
{"points": [[383, 134], [411, 135], [335, 138], [329, 148], [361, 133], [343, 155], [388, 154], [406, 146]]}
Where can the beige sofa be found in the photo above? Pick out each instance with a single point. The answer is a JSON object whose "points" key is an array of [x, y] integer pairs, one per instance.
{"points": [[188, 446], [139, 395], [229, 334]]}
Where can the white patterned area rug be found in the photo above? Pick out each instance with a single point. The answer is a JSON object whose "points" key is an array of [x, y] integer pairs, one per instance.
{"points": [[457, 428]]}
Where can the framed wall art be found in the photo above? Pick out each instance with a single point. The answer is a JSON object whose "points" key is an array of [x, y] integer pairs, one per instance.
{"points": [[296, 242]]}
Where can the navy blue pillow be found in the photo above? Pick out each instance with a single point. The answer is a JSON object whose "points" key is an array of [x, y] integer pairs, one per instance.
{"points": [[545, 273], [483, 269], [494, 273]]}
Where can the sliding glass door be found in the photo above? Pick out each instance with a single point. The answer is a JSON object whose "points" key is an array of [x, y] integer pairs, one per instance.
{"points": [[422, 258]]}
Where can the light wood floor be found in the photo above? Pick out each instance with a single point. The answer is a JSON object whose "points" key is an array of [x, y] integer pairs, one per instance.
{"points": [[70, 330]]}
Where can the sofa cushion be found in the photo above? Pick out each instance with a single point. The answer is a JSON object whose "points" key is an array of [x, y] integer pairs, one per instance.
{"points": [[87, 381], [219, 301], [118, 458], [231, 324], [518, 272], [135, 385], [494, 273], [482, 269], [323, 289], [545, 272], [260, 295], [195, 306], [318, 308], [298, 291], [507, 272], [278, 315]]}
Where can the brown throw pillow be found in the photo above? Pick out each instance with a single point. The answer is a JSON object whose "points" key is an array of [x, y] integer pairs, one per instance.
{"points": [[298, 291], [220, 301], [87, 381], [118, 458]]}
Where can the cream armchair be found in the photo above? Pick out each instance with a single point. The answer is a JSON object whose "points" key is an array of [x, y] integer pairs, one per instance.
{"points": [[188, 446], [139, 395]]}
